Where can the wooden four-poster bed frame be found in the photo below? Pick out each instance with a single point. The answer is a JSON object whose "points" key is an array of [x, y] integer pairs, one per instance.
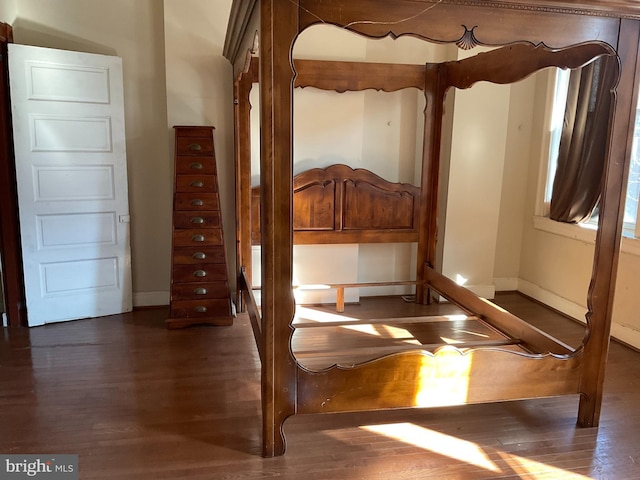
{"points": [[525, 362]]}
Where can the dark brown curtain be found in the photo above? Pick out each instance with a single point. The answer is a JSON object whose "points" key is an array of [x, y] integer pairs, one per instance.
{"points": [[583, 143]]}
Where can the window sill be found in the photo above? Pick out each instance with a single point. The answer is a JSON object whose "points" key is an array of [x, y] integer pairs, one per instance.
{"points": [[582, 233]]}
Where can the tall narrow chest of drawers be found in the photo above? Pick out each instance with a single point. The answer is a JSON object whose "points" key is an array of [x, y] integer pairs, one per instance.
{"points": [[200, 292]]}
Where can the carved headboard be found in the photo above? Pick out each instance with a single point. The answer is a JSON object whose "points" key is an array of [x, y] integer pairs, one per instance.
{"points": [[338, 204]]}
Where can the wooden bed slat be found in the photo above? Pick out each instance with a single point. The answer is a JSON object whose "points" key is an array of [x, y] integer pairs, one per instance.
{"points": [[354, 341], [363, 284], [379, 321], [378, 352]]}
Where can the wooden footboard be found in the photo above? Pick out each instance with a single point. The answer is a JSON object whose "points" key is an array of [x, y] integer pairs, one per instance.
{"points": [[448, 377]]}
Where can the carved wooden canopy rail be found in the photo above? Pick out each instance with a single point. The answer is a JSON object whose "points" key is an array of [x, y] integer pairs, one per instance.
{"points": [[337, 210]]}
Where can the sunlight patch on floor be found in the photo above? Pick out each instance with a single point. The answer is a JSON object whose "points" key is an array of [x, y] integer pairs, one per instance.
{"points": [[527, 468], [436, 442], [384, 331], [399, 333], [367, 328], [471, 453], [304, 314], [311, 314]]}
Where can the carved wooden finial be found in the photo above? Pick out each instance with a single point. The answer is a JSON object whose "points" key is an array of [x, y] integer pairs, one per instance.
{"points": [[468, 39]]}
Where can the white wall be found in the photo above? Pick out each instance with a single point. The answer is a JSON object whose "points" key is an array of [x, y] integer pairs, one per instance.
{"points": [[626, 322], [516, 173], [8, 11], [199, 91], [479, 141]]}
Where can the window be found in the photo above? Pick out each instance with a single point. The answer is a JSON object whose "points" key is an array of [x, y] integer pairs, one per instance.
{"points": [[631, 223], [561, 84], [631, 227]]}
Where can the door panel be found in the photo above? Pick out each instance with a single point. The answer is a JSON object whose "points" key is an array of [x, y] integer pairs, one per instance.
{"points": [[68, 122]]}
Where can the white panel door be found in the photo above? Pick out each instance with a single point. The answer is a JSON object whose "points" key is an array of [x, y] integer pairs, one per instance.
{"points": [[68, 125]]}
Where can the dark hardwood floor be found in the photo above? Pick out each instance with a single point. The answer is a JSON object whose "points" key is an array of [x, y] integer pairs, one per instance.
{"points": [[137, 401]]}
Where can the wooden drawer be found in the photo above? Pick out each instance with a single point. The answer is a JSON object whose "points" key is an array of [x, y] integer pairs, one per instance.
{"points": [[197, 236], [199, 291], [196, 183], [199, 273], [184, 219], [200, 308], [190, 165], [194, 255], [196, 201], [194, 145]]}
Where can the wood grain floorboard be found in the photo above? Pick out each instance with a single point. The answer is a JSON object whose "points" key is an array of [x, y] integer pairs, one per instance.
{"points": [[136, 401]]}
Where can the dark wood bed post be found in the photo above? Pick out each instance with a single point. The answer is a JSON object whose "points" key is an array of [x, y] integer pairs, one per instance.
{"points": [[242, 118], [279, 27], [603, 280], [428, 232]]}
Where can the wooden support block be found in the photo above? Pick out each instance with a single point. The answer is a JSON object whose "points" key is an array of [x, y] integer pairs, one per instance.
{"points": [[340, 299]]}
